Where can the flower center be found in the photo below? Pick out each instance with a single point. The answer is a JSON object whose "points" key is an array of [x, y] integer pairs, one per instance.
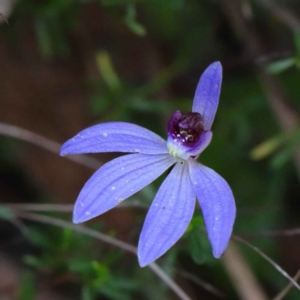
{"points": [[186, 128], [190, 127], [187, 137]]}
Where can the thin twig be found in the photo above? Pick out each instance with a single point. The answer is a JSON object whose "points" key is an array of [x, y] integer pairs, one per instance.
{"points": [[287, 288], [79, 228], [39, 207], [201, 283], [6, 21], [49, 145], [107, 239], [268, 259], [242, 277], [282, 233], [63, 207], [159, 272]]}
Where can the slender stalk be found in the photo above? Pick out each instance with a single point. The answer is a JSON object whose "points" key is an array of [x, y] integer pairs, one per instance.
{"points": [[242, 277], [63, 207], [201, 283], [159, 272], [78, 228], [268, 259], [284, 232], [47, 144], [287, 288], [40, 207]]}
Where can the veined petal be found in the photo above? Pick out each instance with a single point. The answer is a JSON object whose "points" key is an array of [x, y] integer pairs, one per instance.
{"points": [[116, 181], [168, 216], [178, 149], [203, 142], [207, 94], [217, 204], [115, 137]]}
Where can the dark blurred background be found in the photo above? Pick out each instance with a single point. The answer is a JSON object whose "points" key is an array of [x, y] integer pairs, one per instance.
{"points": [[68, 64]]}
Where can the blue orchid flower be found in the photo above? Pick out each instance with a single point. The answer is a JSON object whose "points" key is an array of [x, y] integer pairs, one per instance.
{"points": [[173, 206]]}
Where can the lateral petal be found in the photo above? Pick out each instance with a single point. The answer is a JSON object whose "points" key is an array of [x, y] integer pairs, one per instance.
{"points": [[115, 137], [116, 181], [201, 145], [217, 204], [168, 216], [207, 94]]}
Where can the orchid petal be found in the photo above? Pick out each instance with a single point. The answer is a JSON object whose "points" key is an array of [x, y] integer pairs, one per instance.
{"points": [[177, 148], [115, 137], [116, 181], [168, 216], [217, 204], [201, 145], [207, 94]]}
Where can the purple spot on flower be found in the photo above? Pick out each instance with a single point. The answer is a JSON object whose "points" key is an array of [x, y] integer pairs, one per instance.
{"points": [[187, 128]]}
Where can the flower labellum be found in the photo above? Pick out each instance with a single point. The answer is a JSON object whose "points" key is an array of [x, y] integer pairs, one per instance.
{"points": [[173, 206]]}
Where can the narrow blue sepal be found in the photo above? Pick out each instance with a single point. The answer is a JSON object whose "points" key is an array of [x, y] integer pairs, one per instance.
{"points": [[169, 215], [116, 181], [217, 204], [115, 137], [207, 94]]}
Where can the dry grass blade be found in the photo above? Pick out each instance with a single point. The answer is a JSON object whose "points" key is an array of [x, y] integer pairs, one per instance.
{"points": [[201, 283], [40, 207], [267, 258], [283, 233], [47, 144], [63, 207], [244, 281], [287, 288], [179, 292]]}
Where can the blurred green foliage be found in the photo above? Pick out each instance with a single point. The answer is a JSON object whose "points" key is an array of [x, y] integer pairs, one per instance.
{"points": [[281, 65], [248, 148], [62, 257], [51, 20], [6, 213]]}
